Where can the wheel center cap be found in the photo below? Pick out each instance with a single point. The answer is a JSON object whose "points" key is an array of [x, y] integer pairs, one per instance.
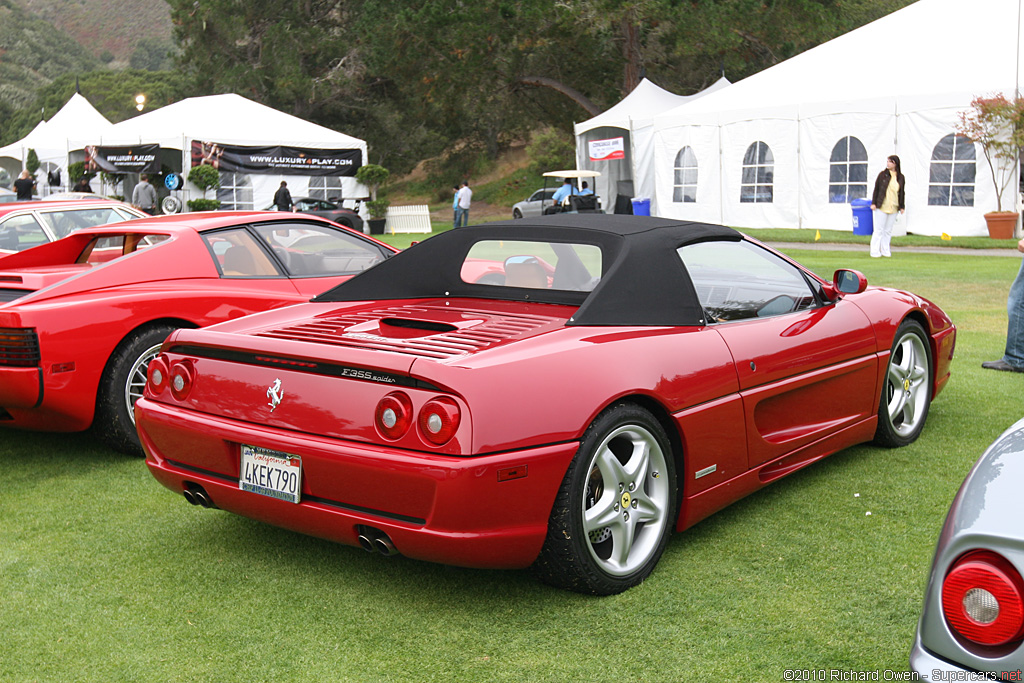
{"points": [[626, 499], [906, 384]]}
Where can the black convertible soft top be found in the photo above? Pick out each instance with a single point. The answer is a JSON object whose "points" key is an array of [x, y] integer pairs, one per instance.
{"points": [[643, 282]]}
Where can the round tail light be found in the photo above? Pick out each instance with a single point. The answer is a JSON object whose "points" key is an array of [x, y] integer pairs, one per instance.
{"points": [[182, 378], [439, 418], [393, 415], [983, 599], [157, 375]]}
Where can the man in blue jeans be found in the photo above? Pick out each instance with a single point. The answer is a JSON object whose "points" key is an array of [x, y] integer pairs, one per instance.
{"points": [[1013, 358]]}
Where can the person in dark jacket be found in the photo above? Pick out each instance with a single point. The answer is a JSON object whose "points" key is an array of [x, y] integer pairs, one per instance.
{"points": [[888, 198], [283, 198]]}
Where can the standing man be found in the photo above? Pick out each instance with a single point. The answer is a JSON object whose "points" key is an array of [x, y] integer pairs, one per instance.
{"points": [[283, 198], [144, 196], [25, 185], [455, 205], [1013, 357], [462, 213]]}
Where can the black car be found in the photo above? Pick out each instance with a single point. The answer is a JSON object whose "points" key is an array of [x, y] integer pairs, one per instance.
{"points": [[327, 209]]}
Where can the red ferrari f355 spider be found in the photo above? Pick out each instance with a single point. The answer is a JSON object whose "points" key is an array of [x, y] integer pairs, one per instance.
{"points": [[611, 379]]}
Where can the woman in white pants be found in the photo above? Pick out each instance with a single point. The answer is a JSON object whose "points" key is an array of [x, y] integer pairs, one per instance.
{"points": [[888, 198]]}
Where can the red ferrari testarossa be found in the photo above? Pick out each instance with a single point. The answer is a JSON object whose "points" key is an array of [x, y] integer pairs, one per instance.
{"points": [[610, 379], [81, 317]]}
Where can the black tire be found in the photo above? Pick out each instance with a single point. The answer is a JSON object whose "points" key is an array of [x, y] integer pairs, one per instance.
{"points": [[623, 479], [123, 382], [906, 389], [517, 214]]}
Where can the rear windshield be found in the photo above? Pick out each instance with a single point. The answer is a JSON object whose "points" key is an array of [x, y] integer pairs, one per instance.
{"points": [[533, 265]]}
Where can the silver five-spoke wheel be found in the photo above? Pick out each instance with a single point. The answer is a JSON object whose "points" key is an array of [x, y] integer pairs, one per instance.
{"points": [[615, 510], [626, 506], [907, 391]]}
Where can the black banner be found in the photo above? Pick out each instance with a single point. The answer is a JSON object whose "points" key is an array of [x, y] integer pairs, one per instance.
{"points": [[134, 159], [277, 160]]}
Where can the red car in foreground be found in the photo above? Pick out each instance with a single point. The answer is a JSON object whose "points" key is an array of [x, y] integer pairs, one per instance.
{"points": [[81, 317], [622, 377]]}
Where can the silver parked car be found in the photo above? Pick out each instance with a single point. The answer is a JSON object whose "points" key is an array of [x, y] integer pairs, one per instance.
{"points": [[973, 617], [534, 205]]}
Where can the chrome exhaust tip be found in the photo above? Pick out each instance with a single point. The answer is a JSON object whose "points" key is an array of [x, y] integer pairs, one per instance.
{"points": [[384, 545]]}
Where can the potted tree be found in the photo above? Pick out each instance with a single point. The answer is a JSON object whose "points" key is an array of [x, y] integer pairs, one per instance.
{"points": [[997, 124], [204, 177], [373, 176]]}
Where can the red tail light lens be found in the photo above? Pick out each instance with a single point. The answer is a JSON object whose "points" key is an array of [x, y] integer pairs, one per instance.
{"points": [[158, 374], [394, 415], [182, 378], [439, 418], [983, 599]]}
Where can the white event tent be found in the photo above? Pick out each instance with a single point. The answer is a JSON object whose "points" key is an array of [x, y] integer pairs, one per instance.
{"points": [[790, 146], [631, 120], [231, 119], [50, 140]]}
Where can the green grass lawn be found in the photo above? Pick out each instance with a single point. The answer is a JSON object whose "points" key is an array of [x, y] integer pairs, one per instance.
{"points": [[107, 576]]}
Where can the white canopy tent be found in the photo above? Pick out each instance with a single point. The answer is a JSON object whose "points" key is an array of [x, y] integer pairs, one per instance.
{"points": [[631, 120], [792, 145], [50, 140], [231, 119]]}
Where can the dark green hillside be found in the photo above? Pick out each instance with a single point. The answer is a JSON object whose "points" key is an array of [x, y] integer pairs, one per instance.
{"points": [[32, 54]]}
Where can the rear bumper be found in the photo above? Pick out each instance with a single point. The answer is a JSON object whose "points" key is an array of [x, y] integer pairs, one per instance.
{"points": [[52, 403], [436, 508]]}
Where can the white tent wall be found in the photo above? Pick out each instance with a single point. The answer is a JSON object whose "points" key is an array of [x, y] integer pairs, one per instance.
{"points": [[781, 137], [819, 135], [922, 124], [705, 143]]}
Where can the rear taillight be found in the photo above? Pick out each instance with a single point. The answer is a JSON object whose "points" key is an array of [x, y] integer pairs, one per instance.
{"points": [[983, 599], [182, 378], [157, 375], [19, 347], [439, 418], [393, 415]]}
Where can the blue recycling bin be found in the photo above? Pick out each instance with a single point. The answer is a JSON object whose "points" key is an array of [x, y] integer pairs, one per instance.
{"points": [[641, 206], [863, 223]]}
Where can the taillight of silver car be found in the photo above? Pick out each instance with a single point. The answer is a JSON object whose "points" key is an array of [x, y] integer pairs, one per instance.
{"points": [[983, 599]]}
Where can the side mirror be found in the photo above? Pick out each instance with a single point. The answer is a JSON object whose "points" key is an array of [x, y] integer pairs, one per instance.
{"points": [[849, 281]]}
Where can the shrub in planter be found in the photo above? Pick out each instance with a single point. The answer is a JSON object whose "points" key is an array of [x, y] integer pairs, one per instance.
{"points": [[203, 204]]}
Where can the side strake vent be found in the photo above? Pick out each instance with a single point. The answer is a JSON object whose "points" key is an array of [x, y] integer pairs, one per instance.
{"points": [[19, 347], [8, 294], [426, 331]]}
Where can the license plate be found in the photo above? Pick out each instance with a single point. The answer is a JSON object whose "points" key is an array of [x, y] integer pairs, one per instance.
{"points": [[270, 473]]}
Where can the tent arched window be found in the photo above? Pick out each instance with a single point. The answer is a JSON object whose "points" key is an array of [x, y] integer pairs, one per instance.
{"points": [[235, 192], [848, 171], [685, 185], [756, 185], [326, 187], [952, 172]]}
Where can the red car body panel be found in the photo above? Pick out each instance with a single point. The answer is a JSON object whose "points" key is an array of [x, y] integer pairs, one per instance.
{"points": [[81, 312]]}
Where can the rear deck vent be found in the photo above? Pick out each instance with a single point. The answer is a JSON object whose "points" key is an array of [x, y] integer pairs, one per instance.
{"points": [[443, 341], [428, 325]]}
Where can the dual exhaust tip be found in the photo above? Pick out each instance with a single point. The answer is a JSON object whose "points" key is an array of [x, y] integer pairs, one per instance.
{"points": [[370, 539], [375, 541], [196, 495]]}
